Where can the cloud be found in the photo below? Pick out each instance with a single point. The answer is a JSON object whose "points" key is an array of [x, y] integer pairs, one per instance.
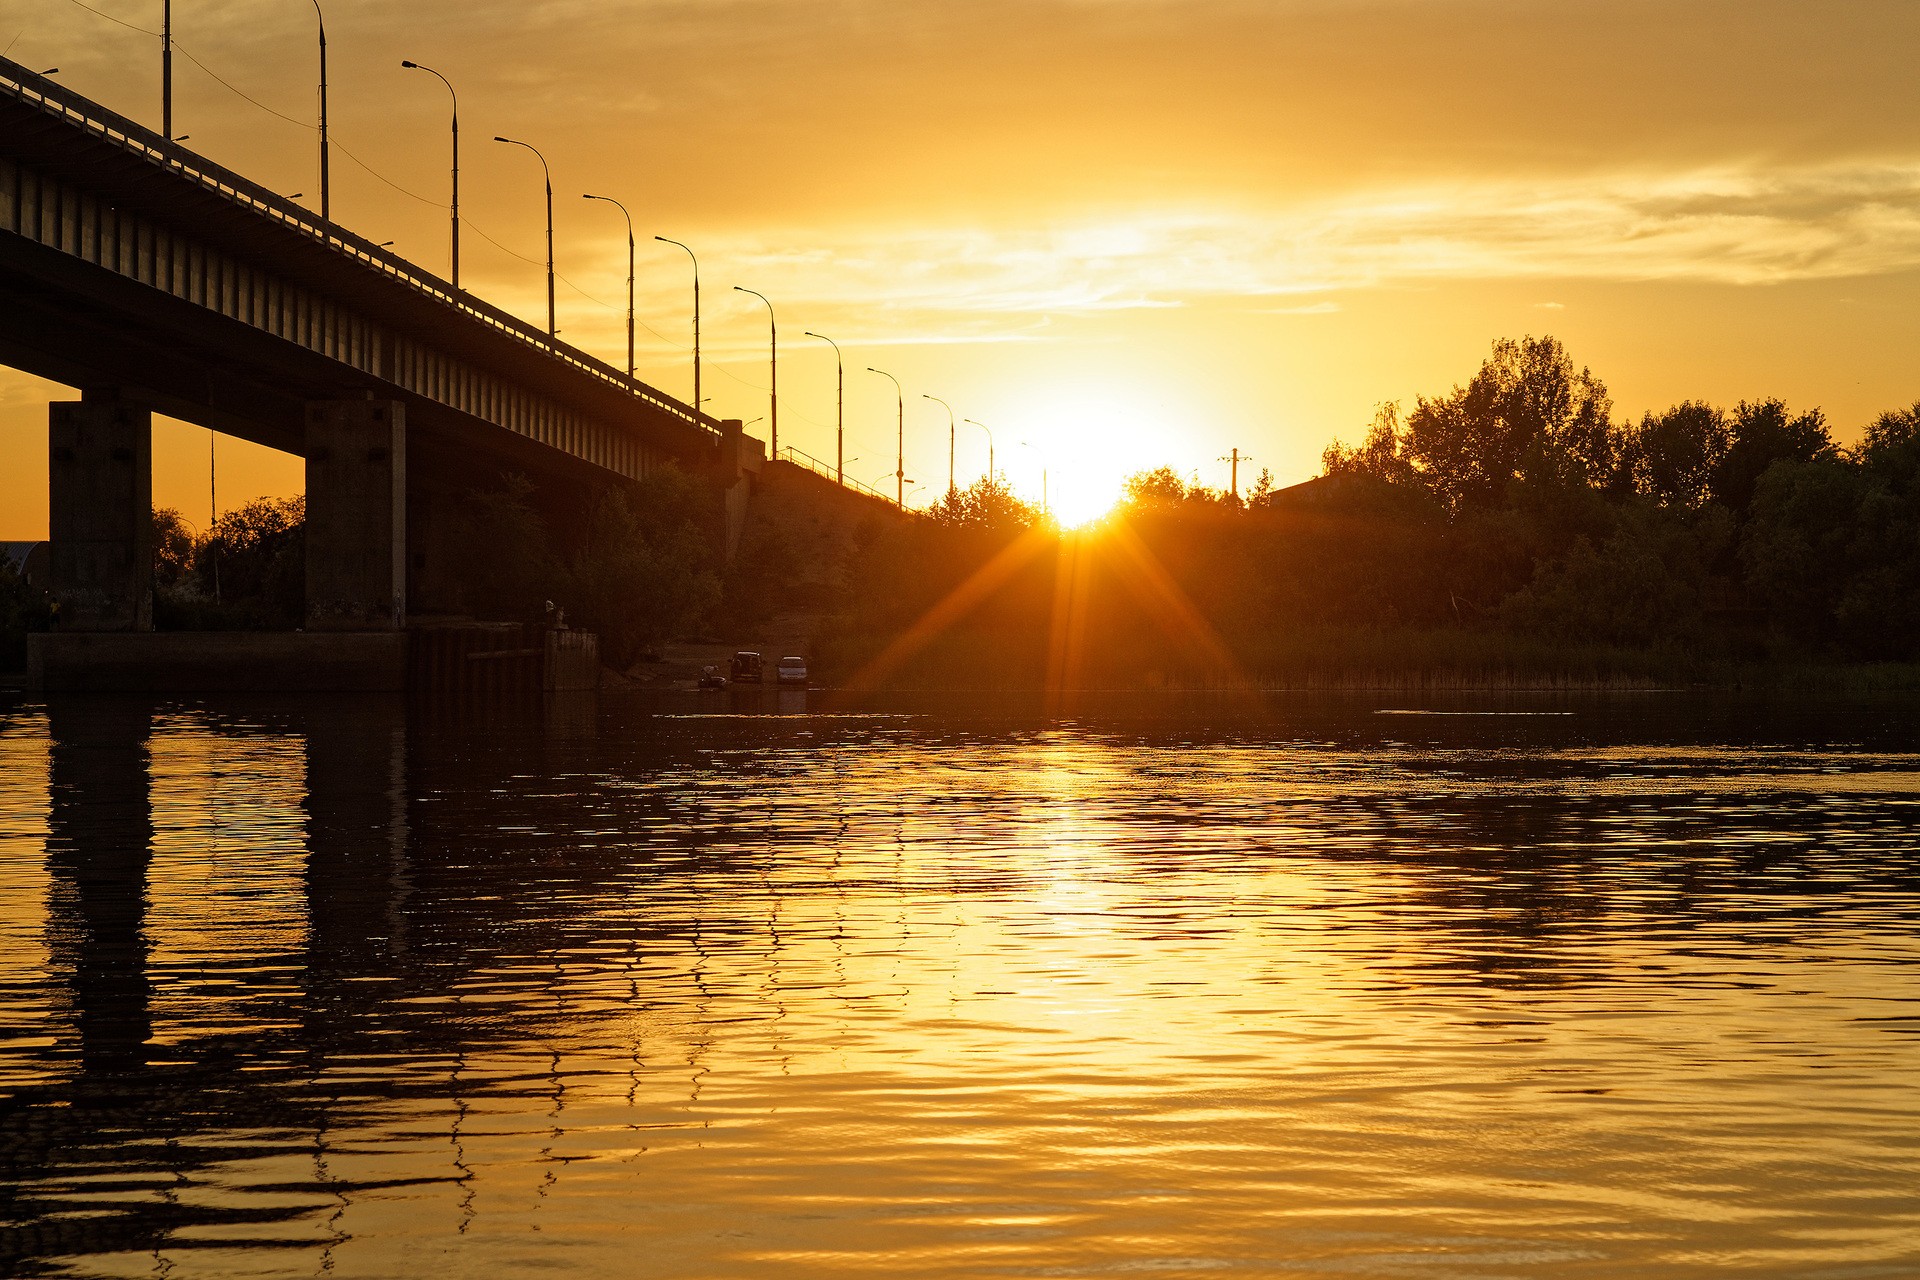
{"points": [[1724, 226]]}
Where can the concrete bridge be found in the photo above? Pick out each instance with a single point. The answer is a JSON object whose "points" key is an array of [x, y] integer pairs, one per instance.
{"points": [[157, 281]]}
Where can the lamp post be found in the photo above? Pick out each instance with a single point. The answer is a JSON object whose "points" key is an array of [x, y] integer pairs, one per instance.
{"points": [[1045, 506], [989, 430], [552, 330], [326, 203], [166, 70], [415, 66], [840, 418], [950, 434], [696, 321], [629, 217], [773, 359], [900, 465]]}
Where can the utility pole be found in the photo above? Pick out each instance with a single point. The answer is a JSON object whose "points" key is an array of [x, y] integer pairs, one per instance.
{"points": [[1236, 458]]}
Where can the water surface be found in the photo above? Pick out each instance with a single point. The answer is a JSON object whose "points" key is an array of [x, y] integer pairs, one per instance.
{"points": [[679, 989]]}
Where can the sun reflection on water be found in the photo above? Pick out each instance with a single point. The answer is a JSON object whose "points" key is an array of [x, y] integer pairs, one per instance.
{"points": [[834, 996]]}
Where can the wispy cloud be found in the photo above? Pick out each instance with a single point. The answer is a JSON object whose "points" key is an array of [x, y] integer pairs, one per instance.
{"points": [[1305, 309], [1727, 226]]}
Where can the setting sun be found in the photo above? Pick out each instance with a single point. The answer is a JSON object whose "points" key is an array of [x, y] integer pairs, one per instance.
{"points": [[1088, 438]]}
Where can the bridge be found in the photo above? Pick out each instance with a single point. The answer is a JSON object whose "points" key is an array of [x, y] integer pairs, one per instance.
{"points": [[157, 281]]}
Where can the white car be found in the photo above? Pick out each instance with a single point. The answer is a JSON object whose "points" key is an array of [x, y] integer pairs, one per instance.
{"points": [[793, 670]]}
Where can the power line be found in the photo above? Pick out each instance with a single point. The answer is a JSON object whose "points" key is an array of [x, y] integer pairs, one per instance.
{"points": [[241, 92], [118, 21]]}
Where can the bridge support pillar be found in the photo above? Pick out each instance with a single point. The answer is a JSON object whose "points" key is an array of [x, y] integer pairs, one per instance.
{"points": [[741, 457], [100, 507], [356, 515]]}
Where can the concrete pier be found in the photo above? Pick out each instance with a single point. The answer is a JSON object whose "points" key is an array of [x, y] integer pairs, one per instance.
{"points": [[100, 513], [356, 515]]}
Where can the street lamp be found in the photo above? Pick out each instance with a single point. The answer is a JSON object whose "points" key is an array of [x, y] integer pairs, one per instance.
{"points": [[989, 430], [552, 331], [840, 421], [773, 393], [696, 321], [629, 217], [1045, 506], [415, 66], [950, 433], [900, 465], [326, 204], [166, 70]]}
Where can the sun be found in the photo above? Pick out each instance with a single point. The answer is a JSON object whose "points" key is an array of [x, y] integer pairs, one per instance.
{"points": [[1088, 440]]}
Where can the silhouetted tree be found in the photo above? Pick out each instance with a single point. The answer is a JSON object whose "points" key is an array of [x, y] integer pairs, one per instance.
{"points": [[987, 504], [1380, 456], [1161, 486], [647, 572], [174, 547], [512, 579], [1762, 433], [23, 608], [1674, 456], [1527, 415]]}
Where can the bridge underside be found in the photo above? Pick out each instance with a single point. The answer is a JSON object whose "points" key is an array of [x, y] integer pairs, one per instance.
{"points": [[72, 323], [134, 350]]}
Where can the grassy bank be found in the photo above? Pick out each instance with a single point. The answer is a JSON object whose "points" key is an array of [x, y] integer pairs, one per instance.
{"points": [[1357, 660]]}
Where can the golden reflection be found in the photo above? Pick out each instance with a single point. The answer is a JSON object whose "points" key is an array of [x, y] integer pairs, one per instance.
{"points": [[917, 997]]}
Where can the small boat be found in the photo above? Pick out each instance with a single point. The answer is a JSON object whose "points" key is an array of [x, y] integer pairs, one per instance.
{"points": [[710, 678]]}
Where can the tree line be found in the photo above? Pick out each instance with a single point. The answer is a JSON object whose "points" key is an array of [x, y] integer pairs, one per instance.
{"points": [[1514, 521]]}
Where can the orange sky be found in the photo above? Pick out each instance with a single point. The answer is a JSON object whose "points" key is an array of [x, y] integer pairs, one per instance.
{"points": [[1127, 232]]}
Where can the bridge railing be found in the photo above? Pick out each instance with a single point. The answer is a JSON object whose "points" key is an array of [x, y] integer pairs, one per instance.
{"points": [[25, 86], [813, 464]]}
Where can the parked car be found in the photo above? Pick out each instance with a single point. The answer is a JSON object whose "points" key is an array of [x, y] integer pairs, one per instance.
{"points": [[746, 667], [793, 670]]}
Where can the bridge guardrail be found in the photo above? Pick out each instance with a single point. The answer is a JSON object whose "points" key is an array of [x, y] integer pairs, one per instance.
{"points": [[35, 90], [811, 463]]}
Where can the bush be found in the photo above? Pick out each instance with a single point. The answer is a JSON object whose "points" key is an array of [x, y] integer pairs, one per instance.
{"points": [[23, 608]]}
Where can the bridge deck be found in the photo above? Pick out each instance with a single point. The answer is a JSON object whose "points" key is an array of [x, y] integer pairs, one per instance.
{"points": [[131, 261]]}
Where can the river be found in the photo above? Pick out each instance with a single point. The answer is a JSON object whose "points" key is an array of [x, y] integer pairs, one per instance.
{"points": [[948, 988]]}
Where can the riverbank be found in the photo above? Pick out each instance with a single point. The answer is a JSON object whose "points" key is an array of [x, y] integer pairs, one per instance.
{"points": [[1329, 660]]}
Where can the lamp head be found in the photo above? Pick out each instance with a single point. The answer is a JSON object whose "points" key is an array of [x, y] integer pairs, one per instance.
{"points": [[410, 64]]}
